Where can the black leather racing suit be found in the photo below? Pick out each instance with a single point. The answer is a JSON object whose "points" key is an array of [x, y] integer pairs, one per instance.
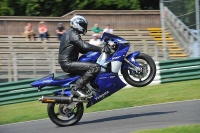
{"points": [[70, 46]]}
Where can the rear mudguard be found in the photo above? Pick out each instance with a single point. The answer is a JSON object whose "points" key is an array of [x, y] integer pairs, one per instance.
{"points": [[131, 57]]}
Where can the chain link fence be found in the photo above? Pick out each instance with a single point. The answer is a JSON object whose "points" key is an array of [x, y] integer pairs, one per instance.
{"points": [[181, 19]]}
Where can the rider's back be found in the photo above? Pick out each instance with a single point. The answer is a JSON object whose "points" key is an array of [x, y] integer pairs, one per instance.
{"points": [[68, 50]]}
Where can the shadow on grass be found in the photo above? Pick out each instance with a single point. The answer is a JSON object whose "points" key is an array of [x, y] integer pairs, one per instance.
{"points": [[114, 118]]}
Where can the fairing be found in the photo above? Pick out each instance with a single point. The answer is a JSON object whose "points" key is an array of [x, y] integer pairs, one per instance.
{"points": [[108, 84], [50, 81], [89, 57]]}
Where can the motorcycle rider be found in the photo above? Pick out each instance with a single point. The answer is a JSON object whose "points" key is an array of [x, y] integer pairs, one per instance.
{"points": [[70, 46]]}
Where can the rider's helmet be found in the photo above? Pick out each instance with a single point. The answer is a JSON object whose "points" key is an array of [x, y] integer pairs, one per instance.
{"points": [[79, 23]]}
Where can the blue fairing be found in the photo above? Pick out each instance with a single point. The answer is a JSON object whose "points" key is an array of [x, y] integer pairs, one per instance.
{"points": [[111, 36], [118, 56], [108, 84], [89, 57], [50, 81]]}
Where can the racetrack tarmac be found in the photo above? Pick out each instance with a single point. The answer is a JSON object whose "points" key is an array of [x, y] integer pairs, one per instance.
{"points": [[119, 121]]}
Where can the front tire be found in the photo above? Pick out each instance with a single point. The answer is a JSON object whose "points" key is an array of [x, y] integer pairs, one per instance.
{"points": [[146, 77], [62, 117]]}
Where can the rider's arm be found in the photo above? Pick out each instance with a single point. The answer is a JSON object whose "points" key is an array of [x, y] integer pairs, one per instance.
{"points": [[85, 47]]}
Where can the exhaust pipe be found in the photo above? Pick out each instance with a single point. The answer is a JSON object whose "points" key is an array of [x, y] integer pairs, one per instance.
{"points": [[55, 99]]}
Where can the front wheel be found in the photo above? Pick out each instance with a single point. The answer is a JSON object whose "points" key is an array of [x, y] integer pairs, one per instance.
{"points": [[62, 116], [143, 77]]}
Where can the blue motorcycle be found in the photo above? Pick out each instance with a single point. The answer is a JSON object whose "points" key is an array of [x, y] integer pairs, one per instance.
{"points": [[137, 69]]}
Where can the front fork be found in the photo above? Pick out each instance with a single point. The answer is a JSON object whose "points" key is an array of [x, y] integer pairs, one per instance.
{"points": [[131, 63], [133, 67]]}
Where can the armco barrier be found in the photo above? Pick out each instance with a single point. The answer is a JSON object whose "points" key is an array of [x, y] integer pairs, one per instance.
{"points": [[179, 70], [21, 91], [167, 71]]}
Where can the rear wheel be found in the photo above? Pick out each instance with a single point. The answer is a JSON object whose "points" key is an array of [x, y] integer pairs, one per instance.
{"points": [[61, 115], [143, 77]]}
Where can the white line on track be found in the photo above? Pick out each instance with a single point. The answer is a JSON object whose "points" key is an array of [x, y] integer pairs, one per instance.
{"points": [[110, 110]]}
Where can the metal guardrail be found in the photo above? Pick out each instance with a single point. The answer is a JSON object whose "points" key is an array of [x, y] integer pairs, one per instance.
{"points": [[170, 71], [179, 70], [21, 91]]}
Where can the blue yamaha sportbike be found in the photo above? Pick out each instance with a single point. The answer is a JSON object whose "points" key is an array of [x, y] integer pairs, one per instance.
{"points": [[137, 69]]}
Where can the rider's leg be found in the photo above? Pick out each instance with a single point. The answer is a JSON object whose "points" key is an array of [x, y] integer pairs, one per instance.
{"points": [[90, 69]]}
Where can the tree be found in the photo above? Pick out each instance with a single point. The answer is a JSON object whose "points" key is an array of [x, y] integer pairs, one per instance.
{"points": [[61, 7], [5, 10], [106, 4]]}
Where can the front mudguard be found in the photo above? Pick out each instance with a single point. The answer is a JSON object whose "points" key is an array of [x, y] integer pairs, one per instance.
{"points": [[131, 57]]}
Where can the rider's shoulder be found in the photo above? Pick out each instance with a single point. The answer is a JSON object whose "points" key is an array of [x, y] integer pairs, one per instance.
{"points": [[74, 34]]}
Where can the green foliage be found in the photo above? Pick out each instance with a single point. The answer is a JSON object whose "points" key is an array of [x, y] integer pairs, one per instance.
{"points": [[5, 10], [61, 7], [107, 4], [185, 10]]}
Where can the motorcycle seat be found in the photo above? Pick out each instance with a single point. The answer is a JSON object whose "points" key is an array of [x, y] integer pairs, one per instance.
{"points": [[64, 76]]}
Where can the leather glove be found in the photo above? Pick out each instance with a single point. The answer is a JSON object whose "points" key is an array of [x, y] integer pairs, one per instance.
{"points": [[106, 49]]}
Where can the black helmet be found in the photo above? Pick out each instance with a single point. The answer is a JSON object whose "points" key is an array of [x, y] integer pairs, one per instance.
{"points": [[79, 23]]}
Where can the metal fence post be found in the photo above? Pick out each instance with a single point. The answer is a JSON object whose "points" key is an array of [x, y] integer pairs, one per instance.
{"points": [[156, 52], [10, 68], [162, 17], [197, 24], [15, 67], [53, 63]]}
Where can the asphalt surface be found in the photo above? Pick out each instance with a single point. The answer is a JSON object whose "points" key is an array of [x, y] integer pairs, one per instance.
{"points": [[119, 121]]}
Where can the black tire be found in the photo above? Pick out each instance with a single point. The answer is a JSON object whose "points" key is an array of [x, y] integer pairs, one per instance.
{"points": [[54, 116], [149, 79]]}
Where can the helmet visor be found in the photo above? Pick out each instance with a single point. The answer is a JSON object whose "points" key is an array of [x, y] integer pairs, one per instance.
{"points": [[84, 26]]}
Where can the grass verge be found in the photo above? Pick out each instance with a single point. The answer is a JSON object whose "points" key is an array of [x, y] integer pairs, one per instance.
{"points": [[169, 92], [174, 129]]}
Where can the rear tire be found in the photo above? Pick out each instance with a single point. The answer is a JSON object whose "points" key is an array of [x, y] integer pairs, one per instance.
{"points": [[128, 76], [61, 118]]}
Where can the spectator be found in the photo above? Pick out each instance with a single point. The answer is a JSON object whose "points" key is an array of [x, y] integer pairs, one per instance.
{"points": [[95, 41], [42, 29], [96, 30], [60, 30], [28, 32], [108, 29]]}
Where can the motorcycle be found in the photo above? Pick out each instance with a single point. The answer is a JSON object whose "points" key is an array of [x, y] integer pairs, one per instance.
{"points": [[137, 69]]}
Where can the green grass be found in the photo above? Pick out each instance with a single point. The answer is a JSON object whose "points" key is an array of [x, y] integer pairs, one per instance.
{"points": [[169, 92], [175, 129]]}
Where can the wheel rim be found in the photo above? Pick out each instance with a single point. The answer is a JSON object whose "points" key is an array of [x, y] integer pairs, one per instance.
{"points": [[145, 71], [66, 116]]}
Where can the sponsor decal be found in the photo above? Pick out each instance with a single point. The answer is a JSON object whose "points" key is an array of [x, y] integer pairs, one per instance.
{"points": [[114, 58], [92, 54], [112, 76], [102, 95], [46, 82], [102, 77]]}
